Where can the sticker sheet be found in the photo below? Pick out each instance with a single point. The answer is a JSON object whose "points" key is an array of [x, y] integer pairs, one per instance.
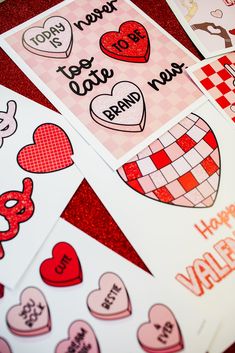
{"points": [[38, 178], [99, 298], [216, 78], [113, 72], [209, 24]]}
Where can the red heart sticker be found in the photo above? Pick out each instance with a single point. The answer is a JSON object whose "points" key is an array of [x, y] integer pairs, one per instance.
{"points": [[130, 44], [50, 152], [63, 269]]}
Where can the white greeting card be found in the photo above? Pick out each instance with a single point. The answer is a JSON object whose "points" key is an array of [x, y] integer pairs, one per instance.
{"points": [[38, 178]]}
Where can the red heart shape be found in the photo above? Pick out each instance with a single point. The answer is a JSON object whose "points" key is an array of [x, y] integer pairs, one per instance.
{"points": [[130, 44], [63, 269], [50, 152], [232, 31]]}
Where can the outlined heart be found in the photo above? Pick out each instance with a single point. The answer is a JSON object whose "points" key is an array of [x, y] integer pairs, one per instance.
{"points": [[217, 13], [111, 301], [32, 316], [63, 269], [161, 334], [4, 346], [181, 167], [131, 43], [87, 338], [122, 110], [50, 152], [53, 40]]}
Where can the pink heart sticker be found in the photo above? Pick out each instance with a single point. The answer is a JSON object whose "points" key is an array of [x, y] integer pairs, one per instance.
{"points": [[162, 333], [111, 301], [54, 39], [122, 110], [4, 346], [32, 316], [217, 13], [81, 336]]}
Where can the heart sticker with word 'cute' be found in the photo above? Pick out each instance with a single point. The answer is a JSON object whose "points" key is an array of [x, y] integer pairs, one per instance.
{"points": [[4, 346], [130, 43], [53, 40], [63, 269], [181, 167], [82, 335], [111, 301], [162, 333], [122, 110], [32, 316], [50, 152]]}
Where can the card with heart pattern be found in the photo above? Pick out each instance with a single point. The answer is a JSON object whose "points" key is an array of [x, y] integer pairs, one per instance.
{"points": [[38, 178], [209, 24], [106, 312], [115, 75]]}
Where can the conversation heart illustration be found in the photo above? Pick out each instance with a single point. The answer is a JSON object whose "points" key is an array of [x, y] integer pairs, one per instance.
{"points": [[217, 13], [161, 334], [111, 301], [122, 110], [4, 346], [8, 123], [50, 152], [181, 167], [53, 40], [32, 316], [81, 336], [63, 269], [131, 43]]}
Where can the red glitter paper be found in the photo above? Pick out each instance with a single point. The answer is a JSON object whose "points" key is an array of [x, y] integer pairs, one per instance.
{"points": [[85, 209]]}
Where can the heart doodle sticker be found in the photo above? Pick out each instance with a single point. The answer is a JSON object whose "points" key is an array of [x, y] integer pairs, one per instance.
{"points": [[217, 13], [53, 40], [50, 152], [4, 346], [8, 123], [130, 44], [81, 335], [182, 167], [32, 316], [162, 333], [111, 301], [123, 110], [63, 269]]}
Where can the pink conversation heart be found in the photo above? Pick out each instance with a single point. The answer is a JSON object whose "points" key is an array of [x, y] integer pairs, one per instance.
{"points": [[122, 110], [81, 339], [162, 333], [54, 39], [111, 301], [4, 346], [31, 317]]}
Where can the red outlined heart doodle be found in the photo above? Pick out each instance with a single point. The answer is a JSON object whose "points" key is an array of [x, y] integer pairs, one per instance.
{"points": [[111, 301], [86, 335], [130, 44], [50, 152], [8, 123], [54, 39], [162, 333], [122, 110], [32, 316], [63, 269], [4, 346], [181, 167], [20, 212]]}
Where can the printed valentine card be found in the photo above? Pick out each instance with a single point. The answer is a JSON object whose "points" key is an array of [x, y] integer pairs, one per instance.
{"points": [[115, 74], [209, 24], [216, 78], [38, 178], [77, 295]]}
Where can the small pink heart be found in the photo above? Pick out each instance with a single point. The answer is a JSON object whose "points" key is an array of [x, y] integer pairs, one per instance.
{"points": [[214, 30], [217, 13], [81, 336], [111, 301], [162, 333], [4, 346], [54, 39], [32, 316]]}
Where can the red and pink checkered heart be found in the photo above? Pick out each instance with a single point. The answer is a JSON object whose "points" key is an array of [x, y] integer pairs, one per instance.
{"points": [[50, 152], [182, 167]]}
